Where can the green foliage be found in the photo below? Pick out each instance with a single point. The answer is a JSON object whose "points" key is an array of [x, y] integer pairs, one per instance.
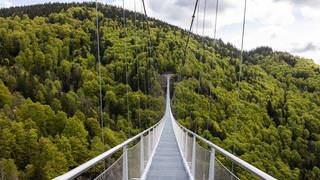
{"points": [[8, 169], [278, 122], [49, 88], [5, 95], [49, 92]]}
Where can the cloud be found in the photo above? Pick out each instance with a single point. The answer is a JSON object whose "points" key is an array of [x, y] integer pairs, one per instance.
{"points": [[223, 5], [10, 3], [308, 47], [311, 3], [267, 12], [5, 4], [310, 12]]}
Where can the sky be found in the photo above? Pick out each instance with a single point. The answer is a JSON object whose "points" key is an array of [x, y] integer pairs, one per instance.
{"points": [[284, 25]]}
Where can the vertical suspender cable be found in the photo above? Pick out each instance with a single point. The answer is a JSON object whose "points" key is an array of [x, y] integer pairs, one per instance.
{"points": [[203, 20], [143, 47], [150, 45], [138, 73], [215, 21], [125, 59], [145, 13], [143, 9], [203, 26], [214, 38], [100, 79], [202, 44], [239, 80], [144, 74], [198, 10]]}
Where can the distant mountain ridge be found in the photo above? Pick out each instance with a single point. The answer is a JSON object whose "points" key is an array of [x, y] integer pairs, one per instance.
{"points": [[49, 92]]}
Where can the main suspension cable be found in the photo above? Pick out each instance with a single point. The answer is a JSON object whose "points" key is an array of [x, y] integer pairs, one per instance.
{"points": [[239, 80], [189, 32], [185, 49], [99, 72]]}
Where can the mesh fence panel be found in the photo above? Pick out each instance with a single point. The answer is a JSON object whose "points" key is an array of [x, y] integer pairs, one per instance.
{"points": [[181, 136], [175, 130], [222, 172], [202, 163], [113, 172], [202, 159], [158, 132], [145, 148], [151, 140], [133, 154], [128, 165], [154, 135], [188, 152]]}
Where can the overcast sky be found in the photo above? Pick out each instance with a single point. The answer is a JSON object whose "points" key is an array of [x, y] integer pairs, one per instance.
{"points": [[285, 25]]}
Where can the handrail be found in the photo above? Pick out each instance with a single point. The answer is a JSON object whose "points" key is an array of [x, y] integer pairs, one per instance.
{"points": [[87, 165], [239, 161]]}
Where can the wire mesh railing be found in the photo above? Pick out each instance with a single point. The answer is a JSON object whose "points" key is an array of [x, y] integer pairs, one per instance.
{"points": [[202, 161], [132, 164], [112, 172]]}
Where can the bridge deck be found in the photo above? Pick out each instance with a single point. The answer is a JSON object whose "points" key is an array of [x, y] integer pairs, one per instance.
{"points": [[167, 162]]}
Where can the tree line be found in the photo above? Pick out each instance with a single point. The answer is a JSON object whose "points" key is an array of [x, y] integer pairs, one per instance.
{"points": [[49, 100]]}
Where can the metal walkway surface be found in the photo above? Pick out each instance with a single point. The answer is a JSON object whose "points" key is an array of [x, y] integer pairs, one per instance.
{"points": [[167, 161]]}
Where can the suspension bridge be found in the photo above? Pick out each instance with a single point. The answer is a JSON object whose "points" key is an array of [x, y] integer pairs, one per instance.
{"points": [[166, 150]]}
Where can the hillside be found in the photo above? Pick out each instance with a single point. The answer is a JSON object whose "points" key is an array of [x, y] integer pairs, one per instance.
{"points": [[49, 92]]}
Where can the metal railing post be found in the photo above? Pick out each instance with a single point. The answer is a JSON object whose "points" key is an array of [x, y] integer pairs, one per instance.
{"points": [[155, 134], [211, 166], [186, 145], [149, 144], [181, 140], [141, 155], [125, 163], [153, 138], [179, 133], [193, 167]]}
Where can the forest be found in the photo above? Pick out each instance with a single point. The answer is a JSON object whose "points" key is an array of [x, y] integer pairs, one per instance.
{"points": [[49, 91]]}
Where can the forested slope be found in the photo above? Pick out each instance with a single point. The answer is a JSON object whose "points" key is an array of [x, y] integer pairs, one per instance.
{"points": [[49, 90]]}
